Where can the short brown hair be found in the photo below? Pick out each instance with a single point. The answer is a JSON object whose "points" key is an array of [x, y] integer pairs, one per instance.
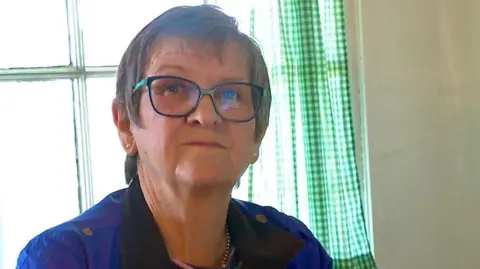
{"points": [[206, 24]]}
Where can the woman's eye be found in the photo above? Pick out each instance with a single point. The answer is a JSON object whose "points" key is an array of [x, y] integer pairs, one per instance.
{"points": [[172, 88], [230, 95]]}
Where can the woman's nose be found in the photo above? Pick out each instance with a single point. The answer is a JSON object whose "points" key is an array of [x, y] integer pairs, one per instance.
{"points": [[205, 113]]}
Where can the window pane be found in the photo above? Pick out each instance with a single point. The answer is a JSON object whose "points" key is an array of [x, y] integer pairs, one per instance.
{"points": [[107, 156], [31, 37], [38, 162], [242, 11], [110, 25]]}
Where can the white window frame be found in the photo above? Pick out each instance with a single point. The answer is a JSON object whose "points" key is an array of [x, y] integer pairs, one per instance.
{"points": [[78, 73]]}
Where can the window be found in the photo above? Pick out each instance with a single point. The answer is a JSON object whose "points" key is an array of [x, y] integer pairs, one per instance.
{"points": [[37, 162], [57, 81], [31, 38]]}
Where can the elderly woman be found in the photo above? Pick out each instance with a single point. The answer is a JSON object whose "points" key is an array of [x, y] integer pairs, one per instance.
{"points": [[191, 108]]}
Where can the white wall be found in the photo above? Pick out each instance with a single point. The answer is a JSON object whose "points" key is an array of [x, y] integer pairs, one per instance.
{"points": [[418, 65]]}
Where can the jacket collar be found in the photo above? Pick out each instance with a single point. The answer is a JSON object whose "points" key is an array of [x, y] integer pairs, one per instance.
{"points": [[257, 245]]}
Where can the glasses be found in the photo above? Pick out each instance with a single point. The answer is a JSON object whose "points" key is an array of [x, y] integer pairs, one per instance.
{"points": [[178, 97]]}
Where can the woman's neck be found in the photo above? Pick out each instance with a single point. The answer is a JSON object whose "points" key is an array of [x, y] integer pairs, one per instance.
{"points": [[193, 226]]}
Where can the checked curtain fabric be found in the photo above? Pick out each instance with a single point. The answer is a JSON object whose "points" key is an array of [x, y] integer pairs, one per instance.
{"points": [[307, 161]]}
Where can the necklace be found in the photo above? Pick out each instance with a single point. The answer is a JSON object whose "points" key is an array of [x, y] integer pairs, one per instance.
{"points": [[227, 249], [225, 257]]}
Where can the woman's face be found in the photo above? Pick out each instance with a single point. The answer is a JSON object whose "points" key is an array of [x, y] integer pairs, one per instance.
{"points": [[200, 149]]}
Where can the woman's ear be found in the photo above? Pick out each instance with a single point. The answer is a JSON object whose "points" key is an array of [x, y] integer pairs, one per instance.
{"points": [[121, 121]]}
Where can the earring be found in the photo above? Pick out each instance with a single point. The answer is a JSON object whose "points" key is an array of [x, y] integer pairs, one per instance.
{"points": [[255, 157]]}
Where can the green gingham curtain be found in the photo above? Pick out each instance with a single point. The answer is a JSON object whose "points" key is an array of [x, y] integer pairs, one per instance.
{"points": [[307, 161]]}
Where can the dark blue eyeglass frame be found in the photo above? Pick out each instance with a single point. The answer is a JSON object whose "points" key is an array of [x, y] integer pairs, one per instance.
{"points": [[202, 92]]}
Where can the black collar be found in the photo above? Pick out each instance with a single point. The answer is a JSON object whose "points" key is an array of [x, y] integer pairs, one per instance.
{"points": [[257, 245]]}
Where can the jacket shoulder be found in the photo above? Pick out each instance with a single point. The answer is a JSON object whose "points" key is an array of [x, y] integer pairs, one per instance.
{"points": [[313, 255], [52, 249], [72, 244]]}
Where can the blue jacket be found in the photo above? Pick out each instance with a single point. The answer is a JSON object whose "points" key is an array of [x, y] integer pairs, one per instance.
{"points": [[119, 232]]}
